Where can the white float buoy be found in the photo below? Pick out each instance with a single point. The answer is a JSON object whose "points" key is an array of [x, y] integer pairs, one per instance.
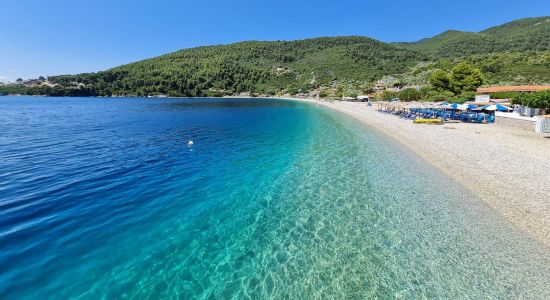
{"points": [[190, 144]]}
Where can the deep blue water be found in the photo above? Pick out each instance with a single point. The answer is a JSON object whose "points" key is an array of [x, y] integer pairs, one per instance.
{"points": [[102, 198]]}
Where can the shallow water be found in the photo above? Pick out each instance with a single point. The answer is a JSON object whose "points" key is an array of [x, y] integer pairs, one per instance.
{"points": [[102, 198]]}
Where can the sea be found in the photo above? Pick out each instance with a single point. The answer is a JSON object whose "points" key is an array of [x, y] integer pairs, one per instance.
{"points": [[105, 198]]}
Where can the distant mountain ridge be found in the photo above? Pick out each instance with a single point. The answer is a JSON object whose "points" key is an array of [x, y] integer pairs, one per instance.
{"points": [[517, 52], [530, 34]]}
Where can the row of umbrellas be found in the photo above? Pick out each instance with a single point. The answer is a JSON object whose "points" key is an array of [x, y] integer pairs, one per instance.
{"points": [[492, 107], [444, 105]]}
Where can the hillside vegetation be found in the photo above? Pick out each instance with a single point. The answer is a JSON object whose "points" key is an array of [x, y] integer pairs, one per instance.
{"points": [[263, 67], [531, 34], [514, 53]]}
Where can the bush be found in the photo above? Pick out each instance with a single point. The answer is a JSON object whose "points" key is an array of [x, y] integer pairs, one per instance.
{"points": [[410, 94], [387, 95], [505, 95], [292, 90], [463, 97], [438, 96], [351, 94], [540, 99]]}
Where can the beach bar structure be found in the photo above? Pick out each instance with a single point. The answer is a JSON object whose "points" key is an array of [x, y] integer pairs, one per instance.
{"points": [[363, 98]]}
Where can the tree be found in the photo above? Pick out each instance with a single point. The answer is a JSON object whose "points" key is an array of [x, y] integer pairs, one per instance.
{"points": [[409, 94], [440, 81], [367, 89], [466, 77], [18, 80], [41, 78]]}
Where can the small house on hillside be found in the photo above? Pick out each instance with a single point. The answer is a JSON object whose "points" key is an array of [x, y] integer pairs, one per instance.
{"points": [[378, 87]]}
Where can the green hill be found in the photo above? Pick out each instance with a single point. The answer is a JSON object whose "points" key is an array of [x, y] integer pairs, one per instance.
{"points": [[515, 52], [531, 34], [264, 67], [438, 42]]}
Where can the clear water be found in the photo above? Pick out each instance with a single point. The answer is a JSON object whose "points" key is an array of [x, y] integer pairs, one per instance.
{"points": [[102, 198]]}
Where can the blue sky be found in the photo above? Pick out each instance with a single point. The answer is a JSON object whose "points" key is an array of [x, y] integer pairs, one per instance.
{"points": [[71, 36]]}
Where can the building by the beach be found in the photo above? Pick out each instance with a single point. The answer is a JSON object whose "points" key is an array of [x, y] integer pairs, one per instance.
{"points": [[522, 117]]}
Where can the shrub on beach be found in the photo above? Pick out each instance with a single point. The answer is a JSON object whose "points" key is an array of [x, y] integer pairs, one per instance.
{"points": [[464, 96], [505, 95], [540, 99], [432, 95]]}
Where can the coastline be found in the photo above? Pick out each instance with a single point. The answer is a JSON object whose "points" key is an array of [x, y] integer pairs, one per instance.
{"points": [[506, 168]]}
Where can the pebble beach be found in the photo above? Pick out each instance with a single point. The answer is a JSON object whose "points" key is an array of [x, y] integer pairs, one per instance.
{"points": [[507, 168]]}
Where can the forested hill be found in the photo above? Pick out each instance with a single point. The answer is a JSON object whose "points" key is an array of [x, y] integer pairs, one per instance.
{"points": [[262, 67], [514, 53], [530, 34]]}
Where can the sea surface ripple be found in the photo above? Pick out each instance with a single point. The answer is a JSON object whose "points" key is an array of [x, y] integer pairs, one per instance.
{"points": [[103, 198]]}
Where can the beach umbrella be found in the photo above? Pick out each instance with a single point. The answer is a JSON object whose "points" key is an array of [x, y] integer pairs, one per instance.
{"points": [[458, 106], [462, 107], [498, 107], [472, 106]]}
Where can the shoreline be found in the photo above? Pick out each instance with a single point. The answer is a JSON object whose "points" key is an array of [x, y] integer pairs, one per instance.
{"points": [[506, 168]]}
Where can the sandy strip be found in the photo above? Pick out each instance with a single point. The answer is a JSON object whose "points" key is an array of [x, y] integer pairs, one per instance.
{"points": [[507, 168]]}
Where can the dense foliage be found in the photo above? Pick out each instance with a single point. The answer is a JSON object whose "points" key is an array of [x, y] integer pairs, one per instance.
{"points": [[540, 99], [514, 53], [410, 94], [498, 68], [459, 84], [530, 34], [257, 67]]}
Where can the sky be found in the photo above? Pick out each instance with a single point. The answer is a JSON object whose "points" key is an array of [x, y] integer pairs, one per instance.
{"points": [[73, 36]]}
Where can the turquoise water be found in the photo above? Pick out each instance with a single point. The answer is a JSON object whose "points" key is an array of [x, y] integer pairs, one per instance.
{"points": [[102, 198]]}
